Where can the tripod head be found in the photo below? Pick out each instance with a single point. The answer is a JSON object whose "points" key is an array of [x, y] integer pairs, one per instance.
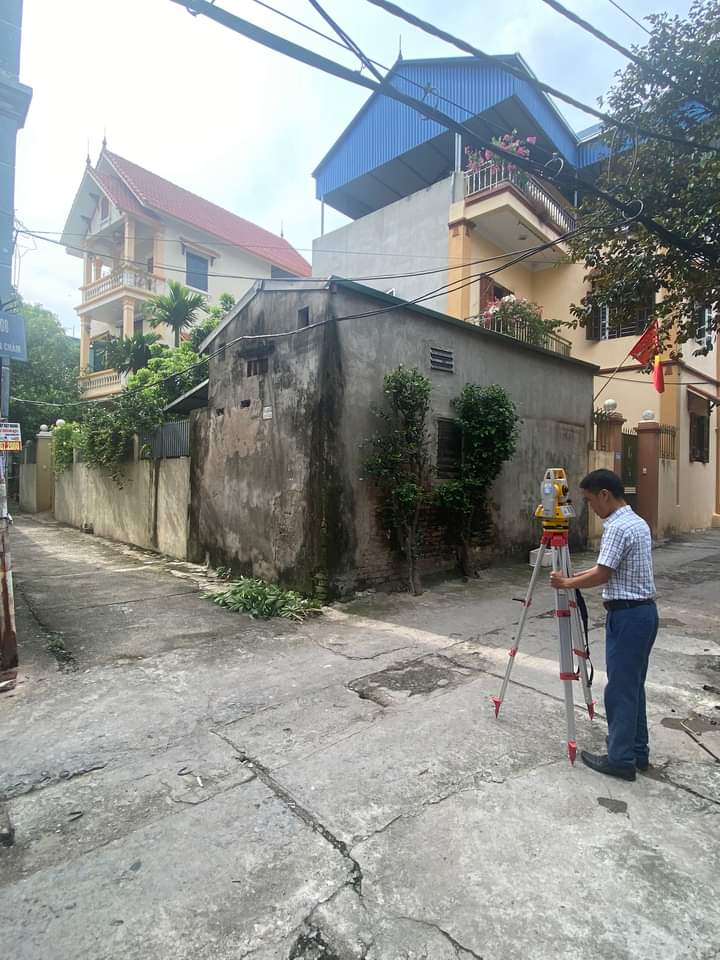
{"points": [[555, 508]]}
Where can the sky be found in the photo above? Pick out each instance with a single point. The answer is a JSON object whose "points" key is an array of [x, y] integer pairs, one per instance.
{"points": [[237, 123]]}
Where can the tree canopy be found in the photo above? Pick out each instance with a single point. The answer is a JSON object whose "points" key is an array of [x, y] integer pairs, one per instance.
{"points": [[676, 185], [49, 375]]}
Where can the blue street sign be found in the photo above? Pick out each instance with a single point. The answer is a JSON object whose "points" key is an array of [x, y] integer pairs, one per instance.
{"points": [[12, 336]]}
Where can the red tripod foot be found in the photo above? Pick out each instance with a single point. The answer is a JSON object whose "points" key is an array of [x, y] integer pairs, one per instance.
{"points": [[498, 703], [572, 750]]}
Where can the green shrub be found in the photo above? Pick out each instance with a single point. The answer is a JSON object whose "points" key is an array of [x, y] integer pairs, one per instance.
{"points": [[65, 439], [262, 600]]}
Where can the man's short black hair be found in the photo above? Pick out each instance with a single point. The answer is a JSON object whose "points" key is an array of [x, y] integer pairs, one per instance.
{"points": [[599, 480]]}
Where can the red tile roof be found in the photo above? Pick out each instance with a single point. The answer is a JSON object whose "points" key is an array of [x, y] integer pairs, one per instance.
{"points": [[157, 194]]}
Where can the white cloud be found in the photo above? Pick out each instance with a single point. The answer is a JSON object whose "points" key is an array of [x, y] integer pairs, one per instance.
{"points": [[232, 121]]}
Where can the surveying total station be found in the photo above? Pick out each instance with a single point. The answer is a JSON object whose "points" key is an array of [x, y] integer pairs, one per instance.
{"points": [[555, 511]]}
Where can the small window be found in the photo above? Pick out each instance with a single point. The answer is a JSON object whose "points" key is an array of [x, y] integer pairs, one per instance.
{"points": [[303, 317], [449, 449], [442, 360], [196, 271], [104, 208], [244, 404], [257, 367], [699, 429], [704, 318], [490, 292], [600, 327]]}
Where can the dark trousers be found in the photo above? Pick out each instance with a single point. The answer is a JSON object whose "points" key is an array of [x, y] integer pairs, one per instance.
{"points": [[629, 638]]}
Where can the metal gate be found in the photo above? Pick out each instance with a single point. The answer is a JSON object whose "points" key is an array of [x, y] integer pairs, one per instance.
{"points": [[629, 457]]}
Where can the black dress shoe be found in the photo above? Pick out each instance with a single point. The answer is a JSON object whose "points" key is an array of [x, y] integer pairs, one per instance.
{"points": [[600, 762], [641, 765]]}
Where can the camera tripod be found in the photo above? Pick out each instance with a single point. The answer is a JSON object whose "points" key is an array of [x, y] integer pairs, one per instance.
{"points": [[555, 511]]}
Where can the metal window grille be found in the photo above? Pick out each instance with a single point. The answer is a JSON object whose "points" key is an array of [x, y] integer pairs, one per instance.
{"points": [[699, 438], [442, 360], [449, 449], [668, 437], [168, 441]]}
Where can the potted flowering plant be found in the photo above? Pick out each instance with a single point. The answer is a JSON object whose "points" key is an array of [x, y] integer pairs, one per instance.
{"points": [[519, 318], [510, 143]]}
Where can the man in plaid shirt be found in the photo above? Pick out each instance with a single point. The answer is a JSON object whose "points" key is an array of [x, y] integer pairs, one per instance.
{"points": [[624, 568]]}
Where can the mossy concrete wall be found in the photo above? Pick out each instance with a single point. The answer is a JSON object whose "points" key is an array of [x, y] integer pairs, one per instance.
{"points": [[277, 458], [150, 509]]}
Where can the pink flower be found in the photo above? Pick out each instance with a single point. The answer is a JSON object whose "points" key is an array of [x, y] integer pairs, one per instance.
{"points": [[532, 140]]}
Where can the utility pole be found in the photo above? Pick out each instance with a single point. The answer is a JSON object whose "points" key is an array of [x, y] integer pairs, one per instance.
{"points": [[14, 103]]}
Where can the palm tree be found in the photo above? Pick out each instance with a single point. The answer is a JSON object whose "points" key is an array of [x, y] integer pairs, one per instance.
{"points": [[131, 354], [178, 308]]}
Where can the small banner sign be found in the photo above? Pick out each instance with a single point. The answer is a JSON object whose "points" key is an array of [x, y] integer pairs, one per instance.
{"points": [[12, 336], [10, 438]]}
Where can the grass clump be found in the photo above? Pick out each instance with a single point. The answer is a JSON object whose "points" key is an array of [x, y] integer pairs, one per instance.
{"points": [[262, 600]]}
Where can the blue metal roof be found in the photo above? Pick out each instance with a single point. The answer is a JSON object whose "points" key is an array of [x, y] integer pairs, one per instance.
{"points": [[390, 150]]}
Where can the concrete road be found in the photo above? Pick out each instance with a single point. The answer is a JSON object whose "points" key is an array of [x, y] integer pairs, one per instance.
{"points": [[187, 783]]}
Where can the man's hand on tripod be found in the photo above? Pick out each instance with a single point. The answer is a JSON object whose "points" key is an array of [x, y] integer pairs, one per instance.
{"points": [[594, 577]]}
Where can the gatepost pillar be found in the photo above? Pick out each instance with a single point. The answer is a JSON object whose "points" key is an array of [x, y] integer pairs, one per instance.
{"points": [[648, 473]]}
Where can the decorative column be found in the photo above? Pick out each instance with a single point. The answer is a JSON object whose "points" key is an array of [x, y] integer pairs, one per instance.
{"points": [[87, 269], [158, 255], [459, 251], [85, 323], [648, 473], [128, 313], [129, 242]]}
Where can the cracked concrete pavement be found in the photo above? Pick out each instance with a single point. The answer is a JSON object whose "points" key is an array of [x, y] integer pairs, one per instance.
{"points": [[184, 782]]}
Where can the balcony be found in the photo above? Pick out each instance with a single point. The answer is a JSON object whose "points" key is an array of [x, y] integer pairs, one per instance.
{"points": [[520, 330], [103, 383], [494, 175], [123, 279]]}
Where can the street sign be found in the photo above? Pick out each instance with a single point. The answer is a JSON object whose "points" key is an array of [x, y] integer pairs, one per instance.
{"points": [[12, 336], [10, 439]]}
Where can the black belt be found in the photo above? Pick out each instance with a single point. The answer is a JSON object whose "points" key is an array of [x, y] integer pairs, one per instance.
{"points": [[626, 604]]}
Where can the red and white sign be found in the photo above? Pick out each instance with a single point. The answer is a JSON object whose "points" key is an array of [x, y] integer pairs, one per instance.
{"points": [[10, 439]]}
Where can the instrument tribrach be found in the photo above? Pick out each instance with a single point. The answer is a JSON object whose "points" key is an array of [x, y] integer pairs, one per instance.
{"points": [[555, 511]]}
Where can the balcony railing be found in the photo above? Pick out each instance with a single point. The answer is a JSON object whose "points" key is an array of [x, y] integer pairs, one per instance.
{"points": [[520, 330], [121, 278], [101, 384], [494, 174]]}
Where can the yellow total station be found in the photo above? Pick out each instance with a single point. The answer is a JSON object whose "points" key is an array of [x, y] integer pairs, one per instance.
{"points": [[555, 508]]}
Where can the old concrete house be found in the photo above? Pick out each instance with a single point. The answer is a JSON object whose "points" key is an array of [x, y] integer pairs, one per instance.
{"points": [[295, 368]]}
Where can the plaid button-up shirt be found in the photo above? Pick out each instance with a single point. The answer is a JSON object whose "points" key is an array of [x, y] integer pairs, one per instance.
{"points": [[626, 547]]}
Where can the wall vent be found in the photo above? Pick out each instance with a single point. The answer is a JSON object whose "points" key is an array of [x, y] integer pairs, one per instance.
{"points": [[442, 360]]}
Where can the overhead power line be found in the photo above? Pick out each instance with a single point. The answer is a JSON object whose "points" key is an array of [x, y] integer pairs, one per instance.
{"points": [[632, 210], [399, 304], [538, 85], [630, 16], [424, 87], [141, 264], [642, 62]]}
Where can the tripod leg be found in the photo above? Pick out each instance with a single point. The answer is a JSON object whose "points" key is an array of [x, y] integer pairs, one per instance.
{"points": [[579, 645], [567, 661], [521, 626]]}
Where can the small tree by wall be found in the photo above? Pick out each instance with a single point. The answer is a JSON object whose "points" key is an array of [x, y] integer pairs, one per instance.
{"points": [[488, 422], [398, 461]]}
